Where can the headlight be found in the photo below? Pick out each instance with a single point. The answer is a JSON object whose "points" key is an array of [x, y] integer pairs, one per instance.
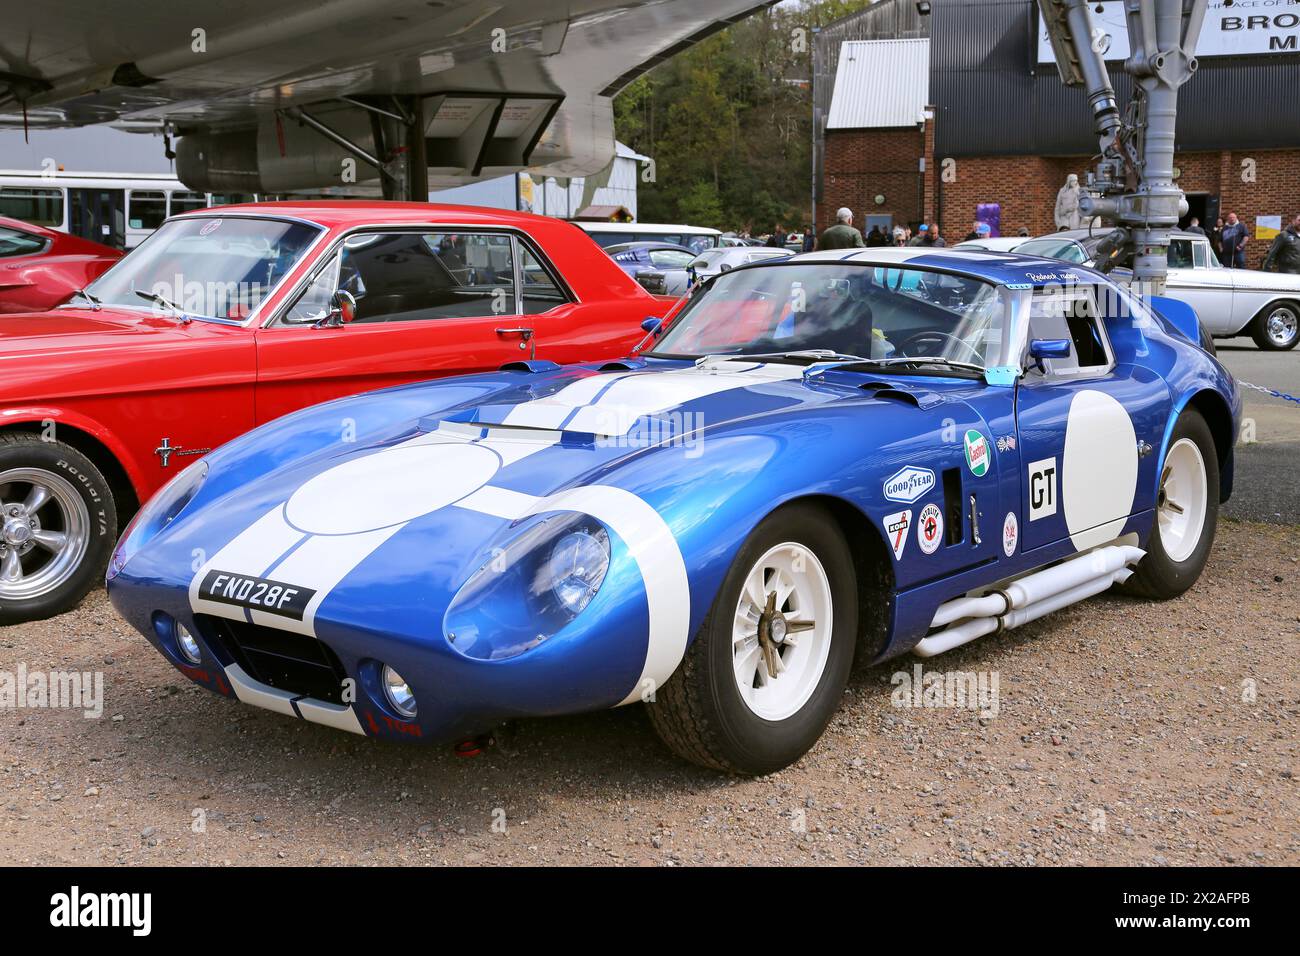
{"points": [[577, 568], [189, 647], [157, 513], [529, 590], [398, 691]]}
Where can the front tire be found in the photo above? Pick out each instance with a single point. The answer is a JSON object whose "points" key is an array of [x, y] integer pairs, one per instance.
{"points": [[788, 603], [1277, 328], [58, 523], [1187, 513]]}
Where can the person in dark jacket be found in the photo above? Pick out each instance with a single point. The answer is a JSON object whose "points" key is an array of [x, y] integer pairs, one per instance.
{"points": [[877, 237], [1234, 243], [809, 239], [1216, 239], [842, 235], [1194, 225], [777, 239], [1284, 253]]}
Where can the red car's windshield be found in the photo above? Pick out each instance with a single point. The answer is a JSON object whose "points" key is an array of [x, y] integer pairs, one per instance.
{"points": [[208, 266]]}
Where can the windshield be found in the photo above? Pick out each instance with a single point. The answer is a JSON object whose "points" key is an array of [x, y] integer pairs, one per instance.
{"points": [[207, 267], [1066, 250], [871, 312]]}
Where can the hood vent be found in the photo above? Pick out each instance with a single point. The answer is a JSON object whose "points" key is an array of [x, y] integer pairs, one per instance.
{"points": [[893, 392]]}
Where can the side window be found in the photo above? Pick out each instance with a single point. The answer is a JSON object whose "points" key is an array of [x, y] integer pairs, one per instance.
{"points": [[414, 276], [540, 291], [1180, 254], [670, 259], [146, 209], [184, 201], [1200, 256], [40, 207], [1070, 313], [314, 303]]}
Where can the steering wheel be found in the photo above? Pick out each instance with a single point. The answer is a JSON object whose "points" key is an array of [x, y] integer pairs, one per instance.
{"points": [[935, 337]]}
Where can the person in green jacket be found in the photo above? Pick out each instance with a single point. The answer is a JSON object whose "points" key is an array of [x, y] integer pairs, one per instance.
{"points": [[842, 235]]}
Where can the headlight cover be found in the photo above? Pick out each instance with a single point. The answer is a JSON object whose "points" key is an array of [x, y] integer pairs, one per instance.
{"points": [[158, 512], [527, 591]]}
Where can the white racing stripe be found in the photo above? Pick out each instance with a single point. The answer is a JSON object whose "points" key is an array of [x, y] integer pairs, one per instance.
{"points": [[340, 516]]}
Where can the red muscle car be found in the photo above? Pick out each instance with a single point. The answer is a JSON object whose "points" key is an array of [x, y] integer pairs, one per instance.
{"points": [[225, 319], [39, 267]]}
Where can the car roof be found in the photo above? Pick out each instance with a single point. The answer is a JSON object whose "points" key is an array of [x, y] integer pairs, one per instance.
{"points": [[1003, 268], [647, 244], [333, 213], [649, 228]]}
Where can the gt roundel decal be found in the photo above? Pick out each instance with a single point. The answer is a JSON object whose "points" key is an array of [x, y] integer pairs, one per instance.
{"points": [[929, 528], [977, 453]]}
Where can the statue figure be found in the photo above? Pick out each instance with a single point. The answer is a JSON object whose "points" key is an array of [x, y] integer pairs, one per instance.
{"points": [[1067, 204]]}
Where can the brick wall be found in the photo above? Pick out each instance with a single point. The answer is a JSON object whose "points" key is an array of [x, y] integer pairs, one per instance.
{"points": [[863, 163]]}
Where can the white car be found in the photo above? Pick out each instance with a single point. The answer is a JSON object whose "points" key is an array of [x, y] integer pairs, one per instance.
{"points": [[1263, 305], [711, 262], [992, 243]]}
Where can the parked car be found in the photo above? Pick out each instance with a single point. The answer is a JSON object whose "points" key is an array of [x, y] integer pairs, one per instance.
{"points": [[851, 453], [993, 243], [227, 318], [1263, 305], [659, 267], [711, 262], [695, 238], [40, 268]]}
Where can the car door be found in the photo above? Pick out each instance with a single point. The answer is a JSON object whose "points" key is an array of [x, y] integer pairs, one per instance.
{"points": [[1087, 426], [430, 303], [1195, 277]]}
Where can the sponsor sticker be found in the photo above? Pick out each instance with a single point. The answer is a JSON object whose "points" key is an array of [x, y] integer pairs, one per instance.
{"points": [[908, 484], [929, 528], [977, 453], [256, 594], [897, 526], [1010, 534], [1042, 488], [1006, 443]]}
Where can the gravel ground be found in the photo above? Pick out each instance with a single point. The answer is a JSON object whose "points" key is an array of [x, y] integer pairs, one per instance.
{"points": [[1122, 737]]}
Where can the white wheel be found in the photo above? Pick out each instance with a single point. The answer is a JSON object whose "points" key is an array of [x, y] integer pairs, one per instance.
{"points": [[782, 629], [1181, 503]]}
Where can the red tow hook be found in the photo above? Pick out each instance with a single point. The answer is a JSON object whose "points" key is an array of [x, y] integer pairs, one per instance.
{"points": [[474, 746]]}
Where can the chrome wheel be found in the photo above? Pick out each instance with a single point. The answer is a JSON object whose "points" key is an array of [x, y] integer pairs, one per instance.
{"points": [[1282, 326], [44, 532], [1181, 502], [781, 633]]}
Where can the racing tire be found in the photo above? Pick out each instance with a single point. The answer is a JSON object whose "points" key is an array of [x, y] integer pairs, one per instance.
{"points": [[1187, 513], [1277, 328], [1207, 342], [720, 709], [58, 524]]}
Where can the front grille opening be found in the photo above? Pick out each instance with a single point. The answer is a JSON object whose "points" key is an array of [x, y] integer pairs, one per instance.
{"points": [[290, 662]]}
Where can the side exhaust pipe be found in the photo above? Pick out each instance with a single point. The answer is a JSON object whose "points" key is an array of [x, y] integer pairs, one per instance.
{"points": [[1029, 598]]}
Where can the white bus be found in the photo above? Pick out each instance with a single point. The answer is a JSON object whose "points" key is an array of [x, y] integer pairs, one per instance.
{"points": [[116, 209], [695, 238]]}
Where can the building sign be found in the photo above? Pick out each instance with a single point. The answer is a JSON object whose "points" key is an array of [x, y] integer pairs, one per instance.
{"points": [[1242, 28]]}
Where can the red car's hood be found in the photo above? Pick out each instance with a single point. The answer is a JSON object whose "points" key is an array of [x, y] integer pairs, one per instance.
{"points": [[80, 328]]}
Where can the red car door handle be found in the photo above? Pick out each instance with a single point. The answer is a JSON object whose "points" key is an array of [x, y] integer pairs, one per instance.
{"points": [[525, 334]]}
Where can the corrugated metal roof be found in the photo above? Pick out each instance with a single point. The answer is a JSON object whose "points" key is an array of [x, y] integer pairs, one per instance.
{"points": [[880, 83]]}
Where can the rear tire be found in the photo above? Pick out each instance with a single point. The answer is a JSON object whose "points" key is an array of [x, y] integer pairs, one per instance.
{"points": [[721, 709], [1187, 513], [1277, 328], [58, 523]]}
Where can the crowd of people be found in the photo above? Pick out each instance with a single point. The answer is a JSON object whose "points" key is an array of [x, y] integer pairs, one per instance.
{"points": [[1228, 239]]}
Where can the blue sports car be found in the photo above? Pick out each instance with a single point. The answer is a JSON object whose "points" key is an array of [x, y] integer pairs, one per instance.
{"points": [[851, 453]]}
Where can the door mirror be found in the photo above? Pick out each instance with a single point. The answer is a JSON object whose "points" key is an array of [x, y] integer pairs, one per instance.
{"points": [[343, 309], [1049, 349], [651, 324]]}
